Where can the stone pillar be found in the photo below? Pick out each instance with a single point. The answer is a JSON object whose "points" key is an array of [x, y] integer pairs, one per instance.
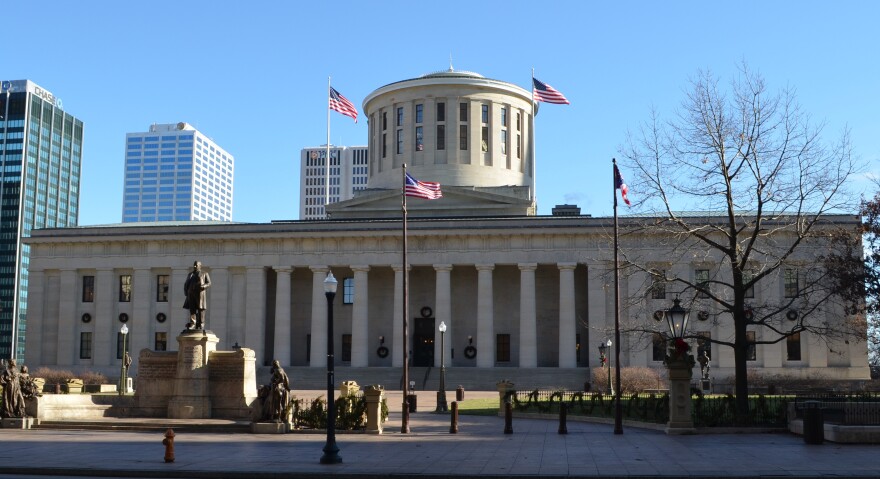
{"points": [[598, 309], [255, 312], [397, 327], [528, 323], [359, 318], [443, 312], [318, 358], [179, 316], [504, 386], [567, 323], [69, 299], [219, 306], [282, 315], [34, 339], [192, 395], [373, 396], [680, 406], [105, 321], [141, 323], [485, 315]]}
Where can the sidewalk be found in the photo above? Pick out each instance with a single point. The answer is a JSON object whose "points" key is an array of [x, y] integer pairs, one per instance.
{"points": [[429, 450]]}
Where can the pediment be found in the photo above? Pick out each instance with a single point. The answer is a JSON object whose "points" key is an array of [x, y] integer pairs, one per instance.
{"points": [[456, 201]]}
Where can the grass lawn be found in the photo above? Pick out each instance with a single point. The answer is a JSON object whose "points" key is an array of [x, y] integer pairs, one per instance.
{"points": [[479, 407]]}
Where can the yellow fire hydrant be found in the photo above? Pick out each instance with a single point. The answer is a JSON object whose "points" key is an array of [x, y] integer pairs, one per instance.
{"points": [[168, 442]]}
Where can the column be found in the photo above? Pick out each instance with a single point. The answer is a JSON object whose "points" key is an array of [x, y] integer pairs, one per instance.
{"points": [[69, 297], [255, 312], [567, 324], [282, 315], [318, 358], [443, 312], [219, 307], [485, 315], [177, 315], [106, 325], [141, 321], [397, 327], [528, 323], [359, 318], [36, 290]]}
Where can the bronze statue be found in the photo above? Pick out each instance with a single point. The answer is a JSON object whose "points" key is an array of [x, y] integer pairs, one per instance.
{"points": [[704, 364], [277, 395], [13, 400], [195, 286], [29, 388]]}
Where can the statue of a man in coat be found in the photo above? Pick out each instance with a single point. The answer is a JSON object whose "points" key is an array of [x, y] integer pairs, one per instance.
{"points": [[195, 286]]}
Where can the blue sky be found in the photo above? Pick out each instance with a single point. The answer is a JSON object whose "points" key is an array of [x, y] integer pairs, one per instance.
{"points": [[252, 75]]}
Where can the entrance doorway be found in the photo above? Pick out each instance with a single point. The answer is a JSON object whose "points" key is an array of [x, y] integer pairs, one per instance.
{"points": [[423, 342]]}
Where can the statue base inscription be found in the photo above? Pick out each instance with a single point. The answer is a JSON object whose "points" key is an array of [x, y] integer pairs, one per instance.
{"points": [[192, 394]]}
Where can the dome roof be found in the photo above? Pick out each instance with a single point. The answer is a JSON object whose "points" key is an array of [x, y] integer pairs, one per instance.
{"points": [[451, 73]]}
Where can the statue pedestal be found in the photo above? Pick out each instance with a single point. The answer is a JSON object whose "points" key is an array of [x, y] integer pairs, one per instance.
{"points": [[191, 399], [374, 395], [17, 423], [680, 405]]}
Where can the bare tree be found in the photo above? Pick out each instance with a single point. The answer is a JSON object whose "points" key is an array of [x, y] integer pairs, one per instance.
{"points": [[761, 191]]}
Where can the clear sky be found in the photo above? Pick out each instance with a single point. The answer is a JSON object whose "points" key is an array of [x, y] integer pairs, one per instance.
{"points": [[253, 75]]}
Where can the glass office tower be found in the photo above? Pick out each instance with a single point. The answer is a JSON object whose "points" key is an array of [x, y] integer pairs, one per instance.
{"points": [[40, 160], [175, 173]]}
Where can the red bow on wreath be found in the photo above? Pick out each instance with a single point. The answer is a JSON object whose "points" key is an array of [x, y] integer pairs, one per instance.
{"points": [[681, 346]]}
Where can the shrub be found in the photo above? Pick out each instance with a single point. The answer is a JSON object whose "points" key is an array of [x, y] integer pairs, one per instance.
{"points": [[633, 379], [59, 376]]}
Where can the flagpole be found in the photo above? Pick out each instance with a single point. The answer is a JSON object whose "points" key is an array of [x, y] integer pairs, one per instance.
{"points": [[618, 421], [534, 149], [404, 426], [327, 157]]}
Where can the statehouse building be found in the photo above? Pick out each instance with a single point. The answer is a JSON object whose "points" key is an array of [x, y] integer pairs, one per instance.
{"points": [[525, 297]]}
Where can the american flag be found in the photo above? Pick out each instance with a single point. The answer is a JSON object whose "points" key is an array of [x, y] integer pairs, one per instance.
{"points": [[428, 190], [342, 105], [620, 185], [546, 93]]}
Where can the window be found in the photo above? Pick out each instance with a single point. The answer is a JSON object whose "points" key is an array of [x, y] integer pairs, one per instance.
{"points": [[577, 348], [484, 144], [748, 276], [658, 347], [701, 281], [124, 288], [420, 143], [504, 142], [419, 111], [502, 348], [85, 345], [484, 113], [462, 137], [790, 283], [519, 146], [346, 347], [793, 347], [441, 112], [658, 284], [384, 145], [462, 112], [384, 120], [348, 291], [162, 289], [119, 346], [399, 141], [703, 343], [88, 294], [504, 117], [400, 116], [308, 348], [518, 121], [751, 352], [441, 137], [161, 342]]}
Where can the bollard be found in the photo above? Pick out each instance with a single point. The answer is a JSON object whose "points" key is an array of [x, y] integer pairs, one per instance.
{"points": [[563, 414], [459, 393], [168, 442], [508, 418], [453, 428]]}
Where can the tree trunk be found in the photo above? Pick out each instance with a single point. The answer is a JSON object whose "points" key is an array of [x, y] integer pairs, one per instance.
{"points": [[740, 361]]}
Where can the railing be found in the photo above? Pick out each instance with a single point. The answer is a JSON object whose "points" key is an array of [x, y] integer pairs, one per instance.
{"points": [[647, 407]]}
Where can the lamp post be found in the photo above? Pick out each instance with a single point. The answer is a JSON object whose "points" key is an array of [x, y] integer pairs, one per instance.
{"points": [[441, 393], [605, 354], [123, 371], [331, 450], [680, 364]]}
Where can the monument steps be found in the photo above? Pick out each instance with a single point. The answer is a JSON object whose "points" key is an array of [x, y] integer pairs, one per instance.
{"points": [[150, 425]]}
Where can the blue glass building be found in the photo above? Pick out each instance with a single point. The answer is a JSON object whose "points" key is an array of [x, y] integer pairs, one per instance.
{"points": [[40, 161]]}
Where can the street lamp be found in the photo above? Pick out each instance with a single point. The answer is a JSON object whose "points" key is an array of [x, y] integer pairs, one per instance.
{"points": [[123, 371], [605, 355], [677, 319], [679, 363], [441, 393], [331, 451]]}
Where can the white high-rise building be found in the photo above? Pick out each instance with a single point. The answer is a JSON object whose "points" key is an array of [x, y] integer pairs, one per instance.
{"points": [[348, 173], [175, 173]]}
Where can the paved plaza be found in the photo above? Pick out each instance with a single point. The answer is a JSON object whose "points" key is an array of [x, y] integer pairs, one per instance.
{"points": [[479, 449]]}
